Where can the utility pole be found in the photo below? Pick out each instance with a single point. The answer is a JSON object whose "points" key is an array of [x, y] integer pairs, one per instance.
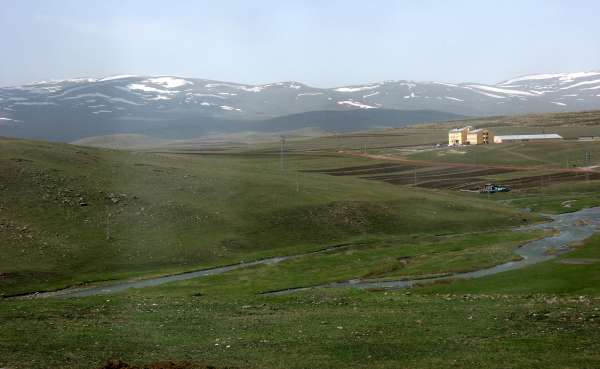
{"points": [[588, 159], [282, 151]]}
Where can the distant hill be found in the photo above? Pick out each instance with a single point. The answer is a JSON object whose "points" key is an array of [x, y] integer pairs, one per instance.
{"points": [[178, 107], [56, 125], [353, 120]]}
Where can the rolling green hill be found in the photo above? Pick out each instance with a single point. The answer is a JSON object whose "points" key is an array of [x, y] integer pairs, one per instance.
{"points": [[72, 214]]}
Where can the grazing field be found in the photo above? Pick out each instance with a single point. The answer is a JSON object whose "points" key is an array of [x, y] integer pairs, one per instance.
{"points": [[73, 215]]}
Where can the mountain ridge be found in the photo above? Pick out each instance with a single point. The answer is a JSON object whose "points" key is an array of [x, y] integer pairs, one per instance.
{"points": [[137, 104]]}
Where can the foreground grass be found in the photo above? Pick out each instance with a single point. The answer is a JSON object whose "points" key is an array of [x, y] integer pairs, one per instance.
{"points": [[547, 315], [320, 329]]}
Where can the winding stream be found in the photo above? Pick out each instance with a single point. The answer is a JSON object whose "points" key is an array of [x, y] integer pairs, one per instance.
{"points": [[569, 227]]}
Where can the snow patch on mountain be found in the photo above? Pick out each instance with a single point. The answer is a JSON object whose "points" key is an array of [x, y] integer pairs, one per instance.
{"points": [[502, 90], [168, 82], [141, 87], [113, 78], [357, 88], [563, 77], [371, 94], [252, 89], [237, 87], [485, 93], [445, 84], [356, 104], [583, 83], [229, 108]]}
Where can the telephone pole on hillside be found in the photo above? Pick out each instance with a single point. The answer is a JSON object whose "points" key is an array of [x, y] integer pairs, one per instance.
{"points": [[282, 153]]}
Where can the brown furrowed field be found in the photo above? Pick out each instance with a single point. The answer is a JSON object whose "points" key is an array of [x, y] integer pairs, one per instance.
{"points": [[457, 177]]}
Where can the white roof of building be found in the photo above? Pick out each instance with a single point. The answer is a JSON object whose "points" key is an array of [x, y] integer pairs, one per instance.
{"points": [[530, 137], [460, 129], [476, 130]]}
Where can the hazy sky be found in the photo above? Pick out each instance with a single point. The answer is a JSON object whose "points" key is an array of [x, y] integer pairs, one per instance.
{"points": [[322, 43]]}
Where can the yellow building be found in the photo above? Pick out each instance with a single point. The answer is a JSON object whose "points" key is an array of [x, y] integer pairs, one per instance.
{"points": [[469, 136], [479, 137], [458, 136]]}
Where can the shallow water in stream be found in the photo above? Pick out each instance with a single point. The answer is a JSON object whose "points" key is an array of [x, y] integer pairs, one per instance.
{"points": [[569, 228]]}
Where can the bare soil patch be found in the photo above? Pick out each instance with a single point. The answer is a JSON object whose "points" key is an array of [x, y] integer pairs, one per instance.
{"points": [[118, 364]]}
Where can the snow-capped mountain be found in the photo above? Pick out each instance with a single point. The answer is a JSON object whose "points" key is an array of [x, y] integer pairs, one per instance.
{"points": [[87, 106]]}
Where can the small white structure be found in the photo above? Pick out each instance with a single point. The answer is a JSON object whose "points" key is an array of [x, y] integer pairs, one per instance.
{"points": [[521, 138]]}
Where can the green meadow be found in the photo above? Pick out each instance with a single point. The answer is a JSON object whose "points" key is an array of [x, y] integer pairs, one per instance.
{"points": [[72, 216]]}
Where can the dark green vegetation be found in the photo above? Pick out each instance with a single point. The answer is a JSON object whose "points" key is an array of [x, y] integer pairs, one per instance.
{"points": [[70, 215]]}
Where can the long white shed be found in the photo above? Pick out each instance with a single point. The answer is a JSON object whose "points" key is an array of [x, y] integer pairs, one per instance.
{"points": [[531, 137]]}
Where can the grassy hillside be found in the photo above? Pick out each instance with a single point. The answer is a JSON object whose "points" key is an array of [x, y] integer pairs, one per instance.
{"points": [[72, 214]]}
